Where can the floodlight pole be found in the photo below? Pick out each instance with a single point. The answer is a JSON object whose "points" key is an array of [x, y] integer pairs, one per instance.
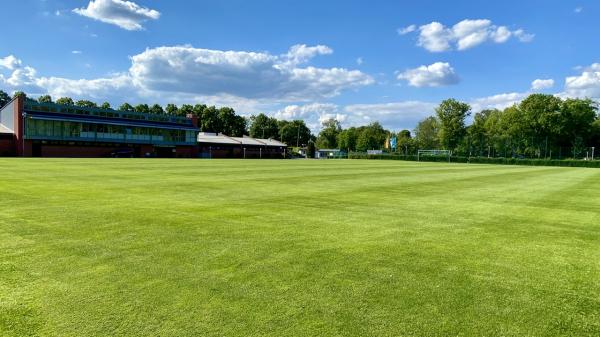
{"points": [[593, 148]]}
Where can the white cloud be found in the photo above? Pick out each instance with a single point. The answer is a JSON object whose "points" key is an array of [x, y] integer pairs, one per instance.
{"points": [[76, 52], [406, 30], [586, 84], [466, 34], [125, 14], [578, 9], [10, 62], [184, 73], [433, 75], [244, 74], [395, 116], [540, 84], [499, 101], [359, 61]]}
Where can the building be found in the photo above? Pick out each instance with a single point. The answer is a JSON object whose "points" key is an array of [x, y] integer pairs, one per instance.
{"points": [[329, 153], [32, 129], [213, 145]]}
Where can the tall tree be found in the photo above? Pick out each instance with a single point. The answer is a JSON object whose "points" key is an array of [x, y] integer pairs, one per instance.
{"points": [[427, 134], [142, 108], [65, 101], [185, 109], [210, 120], [105, 106], [263, 126], [230, 123], [126, 107], [542, 116], [404, 141], [4, 98], [576, 119], [156, 109], [19, 94], [328, 136], [452, 114], [371, 137], [294, 133], [86, 104], [171, 109], [45, 99], [347, 139]]}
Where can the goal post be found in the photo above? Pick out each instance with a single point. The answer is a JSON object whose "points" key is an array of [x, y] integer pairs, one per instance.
{"points": [[434, 153]]}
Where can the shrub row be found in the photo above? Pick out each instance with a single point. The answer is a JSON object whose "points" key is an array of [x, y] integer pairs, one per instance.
{"points": [[481, 160]]}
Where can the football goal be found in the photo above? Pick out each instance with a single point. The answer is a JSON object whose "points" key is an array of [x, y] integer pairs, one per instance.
{"points": [[434, 153]]}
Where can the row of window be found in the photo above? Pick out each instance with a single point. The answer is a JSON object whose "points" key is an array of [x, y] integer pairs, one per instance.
{"points": [[71, 130], [68, 109]]}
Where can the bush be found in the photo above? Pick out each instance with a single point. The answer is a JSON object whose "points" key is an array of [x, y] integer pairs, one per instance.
{"points": [[481, 160]]}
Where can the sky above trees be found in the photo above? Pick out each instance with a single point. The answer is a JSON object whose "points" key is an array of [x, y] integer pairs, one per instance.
{"points": [[358, 62]]}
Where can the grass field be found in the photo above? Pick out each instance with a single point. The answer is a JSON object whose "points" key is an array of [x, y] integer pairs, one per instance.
{"points": [[297, 248]]}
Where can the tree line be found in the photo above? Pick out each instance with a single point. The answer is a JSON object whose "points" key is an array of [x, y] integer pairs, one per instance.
{"points": [[539, 126]]}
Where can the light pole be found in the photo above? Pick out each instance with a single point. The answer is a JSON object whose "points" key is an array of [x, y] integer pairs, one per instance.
{"points": [[298, 137], [593, 148]]}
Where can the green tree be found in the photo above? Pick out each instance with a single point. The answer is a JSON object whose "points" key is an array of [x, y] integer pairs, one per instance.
{"points": [[86, 104], [126, 107], [184, 110], [452, 114], [65, 101], [576, 119], [142, 108], [4, 98], [294, 133], [405, 142], [542, 119], [45, 99], [210, 121], [171, 109], [347, 139], [310, 149], [371, 137], [230, 123], [427, 134], [327, 138], [263, 126], [105, 106], [19, 94]]}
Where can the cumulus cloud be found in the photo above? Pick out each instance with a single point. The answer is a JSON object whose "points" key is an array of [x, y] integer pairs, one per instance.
{"points": [[586, 84], [407, 29], [395, 116], [10, 62], [466, 34], [433, 75], [125, 14], [499, 101], [540, 84], [187, 72], [244, 74]]}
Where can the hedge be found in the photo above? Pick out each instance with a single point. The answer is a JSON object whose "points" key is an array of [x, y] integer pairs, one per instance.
{"points": [[481, 160]]}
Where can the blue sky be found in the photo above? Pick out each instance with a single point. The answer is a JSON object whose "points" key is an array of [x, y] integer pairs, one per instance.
{"points": [[358, 61]]}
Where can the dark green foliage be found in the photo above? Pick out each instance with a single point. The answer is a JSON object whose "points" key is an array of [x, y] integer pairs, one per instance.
{"points": [[142, 108], [86, 104], [294, 133], [19, 93], [171, 109], [371, 137], [126, 107], [4, 98], [65, 101], [105, 106], [45, 99], [451, 115], [263, 126], [328, 136], [310, 149]]}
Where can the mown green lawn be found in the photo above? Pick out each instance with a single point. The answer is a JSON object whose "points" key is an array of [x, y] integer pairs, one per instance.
{"points": [[297, 248]]}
